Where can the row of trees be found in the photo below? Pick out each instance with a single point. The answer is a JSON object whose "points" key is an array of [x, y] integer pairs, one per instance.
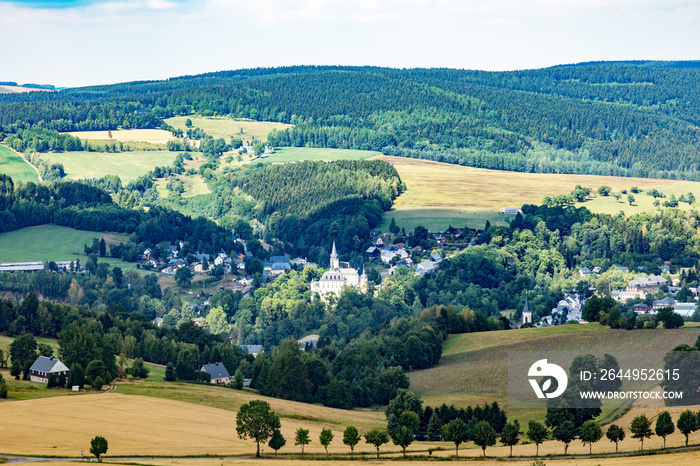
{"points": [[256, 420]]}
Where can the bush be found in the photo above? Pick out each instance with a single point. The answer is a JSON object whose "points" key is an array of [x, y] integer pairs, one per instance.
{"points": [[98, 383]]}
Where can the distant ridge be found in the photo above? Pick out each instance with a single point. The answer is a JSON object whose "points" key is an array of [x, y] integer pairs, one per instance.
{"points": [[642, 63]]}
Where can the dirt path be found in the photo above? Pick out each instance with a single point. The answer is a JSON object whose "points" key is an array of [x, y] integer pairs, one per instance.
{"points": [[41, 180]]}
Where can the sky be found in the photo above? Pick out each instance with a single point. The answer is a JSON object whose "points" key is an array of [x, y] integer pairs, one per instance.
{"points": [[87, 42]]}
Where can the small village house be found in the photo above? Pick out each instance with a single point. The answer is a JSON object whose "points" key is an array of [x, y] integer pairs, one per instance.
{"points": [[43, 366], [217, 373]]}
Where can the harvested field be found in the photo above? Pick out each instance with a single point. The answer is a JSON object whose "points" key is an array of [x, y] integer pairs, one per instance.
{"points": [[138, 425], [153, 136], [453, 192]]}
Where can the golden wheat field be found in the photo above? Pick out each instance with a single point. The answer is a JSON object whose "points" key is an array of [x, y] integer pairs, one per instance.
{"points": [[678, 459], [153, 136], [437, 185], [138, 425]]}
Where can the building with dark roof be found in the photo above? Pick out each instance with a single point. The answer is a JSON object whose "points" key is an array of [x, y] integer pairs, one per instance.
{"points": [[217, 373], [43, 366]]}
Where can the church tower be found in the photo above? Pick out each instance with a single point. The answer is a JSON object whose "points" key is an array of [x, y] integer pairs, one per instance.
{"points": [[335, 262], [527, 313]]}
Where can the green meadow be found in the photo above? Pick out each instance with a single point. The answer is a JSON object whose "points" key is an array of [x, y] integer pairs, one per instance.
{"points": [[127, 165], [45, 243], [227, 128], [297, 154], [12, 164]]}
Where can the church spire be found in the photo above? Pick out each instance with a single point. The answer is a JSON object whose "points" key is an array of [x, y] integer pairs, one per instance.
{"points": [[335, 263], [526, 308]]}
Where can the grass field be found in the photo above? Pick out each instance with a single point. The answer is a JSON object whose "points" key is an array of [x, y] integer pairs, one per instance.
{"points": [[128, 165], [153, 136], [48, 243], [12, 164], [228, 127], [439, 194], [295, 154]]}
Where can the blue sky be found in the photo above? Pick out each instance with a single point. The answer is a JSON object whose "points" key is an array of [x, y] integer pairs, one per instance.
{"points": [[83, 42]]}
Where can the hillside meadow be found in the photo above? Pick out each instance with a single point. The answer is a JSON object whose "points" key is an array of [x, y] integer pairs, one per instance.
{"points": [[474, 366], [127, 165], [219, 127], [440, 194], [49, 243], [296, 154], [152, 136], [11, 163]]}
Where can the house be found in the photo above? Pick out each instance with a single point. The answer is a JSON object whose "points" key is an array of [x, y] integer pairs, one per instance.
{"points": [[241, 266], [158, 321], [217, 373], [568, 304], [253, 349], [596, 270], [308, 340], [199, 268], [622, 269], [665, 268], [298, 262], [435, 257], [43, 366], [641, 308], [584, 271], [373, 252], [201, 257], [426, 267], [387, 255], [664, 302], [277, 265], [147, 253], [509, 211]]}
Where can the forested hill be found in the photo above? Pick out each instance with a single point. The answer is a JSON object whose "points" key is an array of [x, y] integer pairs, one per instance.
{"points": [[619, 118]]}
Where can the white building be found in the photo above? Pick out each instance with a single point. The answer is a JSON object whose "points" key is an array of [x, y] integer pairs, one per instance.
{"points": [[338, 276]]}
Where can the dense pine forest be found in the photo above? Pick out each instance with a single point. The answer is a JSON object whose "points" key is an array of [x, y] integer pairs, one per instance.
{"points": [[626, 118]]}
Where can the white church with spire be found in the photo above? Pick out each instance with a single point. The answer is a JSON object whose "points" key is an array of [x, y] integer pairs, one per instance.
{"points": [[339, 275]]}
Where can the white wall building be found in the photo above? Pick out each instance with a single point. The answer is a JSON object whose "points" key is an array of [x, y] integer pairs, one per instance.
{"points": [[338, 276]]}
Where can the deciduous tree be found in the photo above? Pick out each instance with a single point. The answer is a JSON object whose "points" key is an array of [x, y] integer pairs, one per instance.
{"points": [[641, 428], [257, 421], [351, 437], [301, 437], [98, 447], [537, 433], [664, 425], [615, 434], [590, 433], [377, 438]]}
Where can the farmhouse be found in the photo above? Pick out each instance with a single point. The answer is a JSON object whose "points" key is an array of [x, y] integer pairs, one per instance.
{"points": [[509, 211], [43, 366], [338, 276], [217, 373]]}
